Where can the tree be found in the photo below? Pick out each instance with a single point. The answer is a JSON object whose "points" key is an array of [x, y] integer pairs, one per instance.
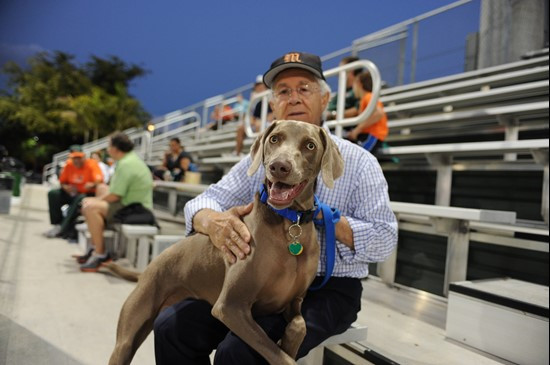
{"points": [[61, 102]]}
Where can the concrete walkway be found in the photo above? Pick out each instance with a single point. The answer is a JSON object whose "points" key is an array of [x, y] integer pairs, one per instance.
{"points": [[51, 313]]}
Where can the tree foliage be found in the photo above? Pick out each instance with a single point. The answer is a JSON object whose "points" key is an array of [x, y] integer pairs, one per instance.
{"points": [[59, 102]]}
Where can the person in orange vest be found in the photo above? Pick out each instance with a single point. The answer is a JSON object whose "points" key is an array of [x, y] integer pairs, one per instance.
{"points": [[371, 132], [79, 179]]}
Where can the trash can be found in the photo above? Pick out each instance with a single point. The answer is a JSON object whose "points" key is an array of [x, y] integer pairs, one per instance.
{"points": [[17, 177], [6, 187]]}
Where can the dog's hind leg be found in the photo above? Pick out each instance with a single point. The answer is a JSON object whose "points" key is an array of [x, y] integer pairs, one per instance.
{"points": [[295, 330]]}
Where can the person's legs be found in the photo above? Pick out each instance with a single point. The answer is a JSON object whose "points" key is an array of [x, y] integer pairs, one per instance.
{"points": [[240, 139], [186, 333], [72, 214], [367, 141], [330, 310], [95, 212], [327, 312], [56, 199], [233, 351]]}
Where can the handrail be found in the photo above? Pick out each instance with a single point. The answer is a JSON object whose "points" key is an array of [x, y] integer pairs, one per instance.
{"points": [[340, 71], [376, 86], [262, 97], [176, 119]]}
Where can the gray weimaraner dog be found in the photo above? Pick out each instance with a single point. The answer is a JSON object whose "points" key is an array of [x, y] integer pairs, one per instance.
{"points": [[270, 279]]}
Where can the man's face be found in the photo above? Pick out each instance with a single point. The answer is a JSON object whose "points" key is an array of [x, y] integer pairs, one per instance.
{"points": [[298, 107], [78, 162], [113, 152], [174, 146]]}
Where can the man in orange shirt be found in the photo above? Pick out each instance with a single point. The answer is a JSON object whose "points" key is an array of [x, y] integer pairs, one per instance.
{"points": [[79, 179], [373, 131]]}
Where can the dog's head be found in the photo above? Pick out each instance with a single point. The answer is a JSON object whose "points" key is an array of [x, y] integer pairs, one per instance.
{"points": [[293, 154]]}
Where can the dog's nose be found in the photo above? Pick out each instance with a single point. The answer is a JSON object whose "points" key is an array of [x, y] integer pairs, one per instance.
{"points": [[280, 168]]}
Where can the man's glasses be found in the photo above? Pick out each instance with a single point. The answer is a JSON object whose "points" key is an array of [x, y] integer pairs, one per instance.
{"points": [[304, 91]]}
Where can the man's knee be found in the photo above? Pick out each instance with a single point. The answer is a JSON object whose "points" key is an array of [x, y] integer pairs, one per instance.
{"points": [[54, 194]]}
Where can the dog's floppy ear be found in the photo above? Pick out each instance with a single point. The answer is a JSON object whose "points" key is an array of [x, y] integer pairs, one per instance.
{"points": [[332, 164], [257, 150]]}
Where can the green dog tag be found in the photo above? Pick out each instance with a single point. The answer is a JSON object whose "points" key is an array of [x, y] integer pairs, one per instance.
{"points": [[295, 248]]}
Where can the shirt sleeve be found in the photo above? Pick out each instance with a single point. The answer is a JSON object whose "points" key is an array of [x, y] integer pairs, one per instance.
{"points": [[66, 173], [370, 217], [119, 181], [235, 188]]}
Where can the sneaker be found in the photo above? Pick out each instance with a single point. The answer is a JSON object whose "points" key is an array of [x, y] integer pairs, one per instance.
{"points": [[81, 259], [52, 233], [94, 263]]}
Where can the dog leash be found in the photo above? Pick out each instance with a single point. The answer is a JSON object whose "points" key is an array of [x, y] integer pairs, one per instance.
{"points": [[330, 217]]}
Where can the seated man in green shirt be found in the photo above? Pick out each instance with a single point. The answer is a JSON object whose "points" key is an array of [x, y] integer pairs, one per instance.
{"points": [[131, 183]]}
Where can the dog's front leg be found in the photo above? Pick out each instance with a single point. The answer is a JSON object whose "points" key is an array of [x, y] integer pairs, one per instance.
{"points": [[295, 331], [235, 313]]}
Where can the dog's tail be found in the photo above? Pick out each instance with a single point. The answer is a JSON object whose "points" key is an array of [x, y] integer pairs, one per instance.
{"points": [[121, 271]]}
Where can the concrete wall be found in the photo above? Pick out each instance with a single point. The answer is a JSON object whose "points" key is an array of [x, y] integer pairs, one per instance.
{"points": [[510, 28]]}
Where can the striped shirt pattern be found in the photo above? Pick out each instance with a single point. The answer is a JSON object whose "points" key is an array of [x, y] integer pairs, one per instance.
{"points": [[361, 195]]}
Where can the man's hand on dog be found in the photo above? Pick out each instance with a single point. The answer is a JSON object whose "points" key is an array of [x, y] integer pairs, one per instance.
{"points": [[226, 230]]}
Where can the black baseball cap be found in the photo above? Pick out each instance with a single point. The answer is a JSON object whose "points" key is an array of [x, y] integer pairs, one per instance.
{"points": [[306, 61]]}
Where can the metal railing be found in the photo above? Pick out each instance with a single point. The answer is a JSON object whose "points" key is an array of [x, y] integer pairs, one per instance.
{"points": [[395, 49]]}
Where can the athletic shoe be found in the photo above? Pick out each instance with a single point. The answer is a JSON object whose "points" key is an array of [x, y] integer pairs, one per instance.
{"points": [[52, 233], [81, 259], [94, 263]]}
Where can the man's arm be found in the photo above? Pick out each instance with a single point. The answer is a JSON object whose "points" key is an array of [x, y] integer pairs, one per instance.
{"points": [[344, 233], [110, 198], [210, 213]]}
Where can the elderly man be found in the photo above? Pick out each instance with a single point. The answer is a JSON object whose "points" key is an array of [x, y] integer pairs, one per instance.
{"points": [[131, 183], [367, 232], [79, 178]]}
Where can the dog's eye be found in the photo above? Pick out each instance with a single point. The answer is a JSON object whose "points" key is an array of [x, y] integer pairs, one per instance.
{"points": [[274, 139], [310, 146]]}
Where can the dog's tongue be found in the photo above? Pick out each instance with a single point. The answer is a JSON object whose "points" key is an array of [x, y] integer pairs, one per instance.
{"points": [[281, 193]]}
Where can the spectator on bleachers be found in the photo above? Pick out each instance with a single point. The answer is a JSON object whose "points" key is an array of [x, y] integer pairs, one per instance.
{"points": [[256, 117], [79, 178], [176, 162], [371, 132], [131, 183], [240, 107], [220, 114], [105, 169], [187, 332], [351, 103]]}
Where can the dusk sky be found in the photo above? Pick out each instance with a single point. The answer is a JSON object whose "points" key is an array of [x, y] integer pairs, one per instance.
{"points": [[193, 49]]}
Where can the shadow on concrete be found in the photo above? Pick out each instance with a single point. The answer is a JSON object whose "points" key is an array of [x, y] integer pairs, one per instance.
{"points": [[20, 346]]}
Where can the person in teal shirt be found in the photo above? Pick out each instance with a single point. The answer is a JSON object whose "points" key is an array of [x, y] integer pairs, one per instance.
{"points": [[131, 182]]}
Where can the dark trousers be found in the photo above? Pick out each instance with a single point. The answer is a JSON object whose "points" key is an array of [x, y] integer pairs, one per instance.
{"points": [[186, 333], [369, 142], [56, 199]]}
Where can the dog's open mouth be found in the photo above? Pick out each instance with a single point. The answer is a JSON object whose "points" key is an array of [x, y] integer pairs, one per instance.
{"points": [[281, 194]]}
